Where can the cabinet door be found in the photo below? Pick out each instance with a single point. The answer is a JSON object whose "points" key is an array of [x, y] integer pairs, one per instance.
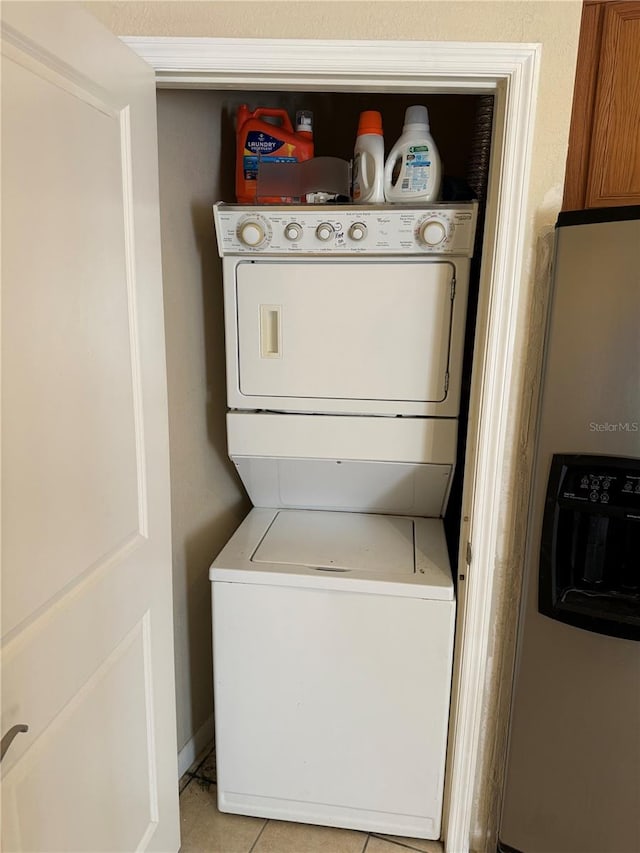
{"points": [[603, 160], [614, 173], [87, 657]]}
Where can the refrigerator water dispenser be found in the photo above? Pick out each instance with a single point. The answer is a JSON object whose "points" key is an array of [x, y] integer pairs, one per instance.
{"points": [[590, 548]]}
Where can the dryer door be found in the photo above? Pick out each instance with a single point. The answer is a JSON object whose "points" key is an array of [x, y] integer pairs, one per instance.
{"points": [[344, 336]]}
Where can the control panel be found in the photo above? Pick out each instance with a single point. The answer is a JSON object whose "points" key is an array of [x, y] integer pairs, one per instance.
{"points": [[601, 483], [442, 229]]}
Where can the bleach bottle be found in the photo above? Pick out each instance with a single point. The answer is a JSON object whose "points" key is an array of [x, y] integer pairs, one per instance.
{"points": [[368, 160], [413, 171]]}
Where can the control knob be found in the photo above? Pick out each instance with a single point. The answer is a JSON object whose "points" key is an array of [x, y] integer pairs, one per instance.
{"points": [[324, 231], [358, 231], [432, 232], [251, 233], [293, 231]]}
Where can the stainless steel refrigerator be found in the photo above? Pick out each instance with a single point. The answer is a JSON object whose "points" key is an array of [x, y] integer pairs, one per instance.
{"points": [[573, 771]]}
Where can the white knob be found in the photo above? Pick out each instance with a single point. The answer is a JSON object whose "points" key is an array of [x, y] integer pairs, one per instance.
{"points": [[251, 233], [432, 232], [293, 231], [358, 231], [324, 231]]}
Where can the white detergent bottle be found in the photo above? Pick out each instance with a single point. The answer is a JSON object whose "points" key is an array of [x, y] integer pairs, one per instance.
{"points": [[368, 160], [413, 172]]}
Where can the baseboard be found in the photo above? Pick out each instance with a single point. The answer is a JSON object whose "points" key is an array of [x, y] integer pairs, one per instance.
{"points": [[192, 749]]}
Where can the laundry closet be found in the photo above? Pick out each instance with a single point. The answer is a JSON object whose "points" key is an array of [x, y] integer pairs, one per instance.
{"points": [[197, 168]]}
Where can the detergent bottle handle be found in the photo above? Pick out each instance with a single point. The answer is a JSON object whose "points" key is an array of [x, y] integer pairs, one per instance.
{"points": [[274, 113], [366, 170]]}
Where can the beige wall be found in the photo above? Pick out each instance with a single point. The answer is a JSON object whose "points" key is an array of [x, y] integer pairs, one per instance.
{"points": [[207, 500], [553, 24]]}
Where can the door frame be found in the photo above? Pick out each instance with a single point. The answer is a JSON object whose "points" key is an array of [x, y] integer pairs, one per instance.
{"points": [[510, 72]]}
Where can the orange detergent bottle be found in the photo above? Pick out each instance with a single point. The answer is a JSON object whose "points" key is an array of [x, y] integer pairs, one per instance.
{"points": [[267, 135]]}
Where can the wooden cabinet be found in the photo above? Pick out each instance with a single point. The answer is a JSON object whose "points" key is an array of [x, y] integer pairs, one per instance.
{"points": [[603, 161]]}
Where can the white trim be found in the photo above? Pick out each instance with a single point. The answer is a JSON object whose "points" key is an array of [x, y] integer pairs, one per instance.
{"points": [[194, 748], [378, 65], [510, 71], [490, 440]]}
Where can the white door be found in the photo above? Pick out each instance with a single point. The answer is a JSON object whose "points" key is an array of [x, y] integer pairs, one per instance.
{"points": [[375, 330], [87, 654]]}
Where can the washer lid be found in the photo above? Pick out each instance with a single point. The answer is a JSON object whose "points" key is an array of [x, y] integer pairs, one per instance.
{"points": [[341, 551], [340, 541]]}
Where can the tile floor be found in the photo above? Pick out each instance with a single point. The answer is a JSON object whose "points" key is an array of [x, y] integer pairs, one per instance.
{"points": [[206, 830]]}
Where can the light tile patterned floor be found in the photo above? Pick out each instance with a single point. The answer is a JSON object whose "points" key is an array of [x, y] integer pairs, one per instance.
{"points": [[206, 830]]}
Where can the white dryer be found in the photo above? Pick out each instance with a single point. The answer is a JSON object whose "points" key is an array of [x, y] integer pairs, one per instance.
{"points": [[333, 603]]}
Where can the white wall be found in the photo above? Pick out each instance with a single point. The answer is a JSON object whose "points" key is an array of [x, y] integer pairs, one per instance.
{"points": [[553, 24]]}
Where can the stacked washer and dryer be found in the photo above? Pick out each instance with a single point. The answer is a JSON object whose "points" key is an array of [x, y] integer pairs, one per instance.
{"points": [[333, 602]]}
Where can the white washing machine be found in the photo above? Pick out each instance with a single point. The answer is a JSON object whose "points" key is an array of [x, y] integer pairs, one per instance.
{"points": [[333, 603]]}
